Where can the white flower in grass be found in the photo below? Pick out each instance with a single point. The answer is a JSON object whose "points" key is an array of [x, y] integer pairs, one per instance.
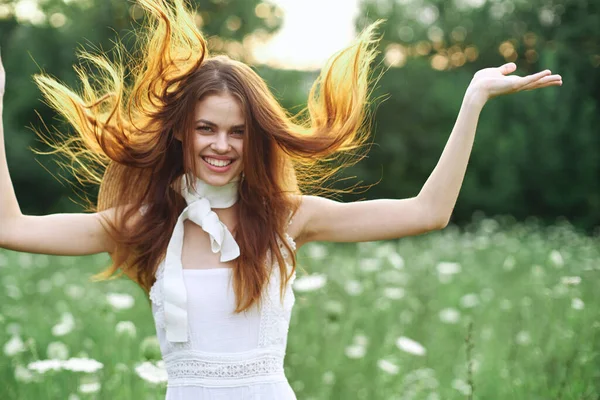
{"points": [[462, 386], [65, 326], [523, 338], [73, 396], [394, 293], [577, 304], [469, 300], [388, 367], [370, 264], [410, 346], [57, 350], [120, 301], [449, 315], [89, 387], [361, 340], [448, 268], [22, 374], [570, 280], [150, 372], [14, 346], [556, 258], [328, 378], [44, 286], [75, 291], [43, 366], [396, 260], [126, 328], [353, 287], [317, 251], [3, 260], [310, 283], [509, 263], [82, 365], [355, 351]]}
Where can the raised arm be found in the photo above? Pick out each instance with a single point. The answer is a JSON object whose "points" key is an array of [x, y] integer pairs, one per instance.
{"points": [[320, 219], [60, 234]]}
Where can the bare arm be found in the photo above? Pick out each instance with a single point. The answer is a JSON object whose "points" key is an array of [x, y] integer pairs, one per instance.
{"points": [[60, 234], [320, 219]]}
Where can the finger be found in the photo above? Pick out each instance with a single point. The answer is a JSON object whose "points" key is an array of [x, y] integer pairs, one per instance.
{"points": [[544, 81], [535, 77], [508, 68]]}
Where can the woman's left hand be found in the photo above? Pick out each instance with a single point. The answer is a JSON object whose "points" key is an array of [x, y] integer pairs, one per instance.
{"points": [[492, 82]]}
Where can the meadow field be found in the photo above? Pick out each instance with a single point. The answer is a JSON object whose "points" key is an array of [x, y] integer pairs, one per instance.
{"points": [[496, 310]]}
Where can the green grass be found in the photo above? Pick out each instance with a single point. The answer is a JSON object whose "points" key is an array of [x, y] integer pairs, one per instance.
{"points": [[534, 335]]}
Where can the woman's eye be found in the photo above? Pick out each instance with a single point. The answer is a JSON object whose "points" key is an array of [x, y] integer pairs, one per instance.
{"points": [[203, 128], [238, 132]]}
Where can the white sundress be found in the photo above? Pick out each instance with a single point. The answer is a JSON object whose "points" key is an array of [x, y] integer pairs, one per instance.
{"points": [[227, 356]]}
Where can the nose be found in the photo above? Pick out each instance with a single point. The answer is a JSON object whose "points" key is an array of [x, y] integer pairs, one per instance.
{"points": [[221, 143]]}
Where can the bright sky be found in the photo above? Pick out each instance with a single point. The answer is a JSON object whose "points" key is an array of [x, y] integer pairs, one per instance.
{"points": [[312, 31]]}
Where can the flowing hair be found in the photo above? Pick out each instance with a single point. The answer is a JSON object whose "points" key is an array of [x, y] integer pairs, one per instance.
{"points": [[126, 121]]}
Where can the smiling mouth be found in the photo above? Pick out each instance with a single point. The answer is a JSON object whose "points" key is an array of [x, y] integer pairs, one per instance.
{"points": [[217, 163]]}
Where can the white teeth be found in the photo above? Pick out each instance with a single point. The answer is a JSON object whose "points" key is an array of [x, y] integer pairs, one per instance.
{"points": [[217, 163]]}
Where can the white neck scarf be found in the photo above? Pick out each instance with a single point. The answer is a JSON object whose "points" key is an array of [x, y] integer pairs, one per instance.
{"points": [[198, 210]]}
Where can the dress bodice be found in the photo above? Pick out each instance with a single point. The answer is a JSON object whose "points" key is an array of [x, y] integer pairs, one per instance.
{"points": [[225, 349]]}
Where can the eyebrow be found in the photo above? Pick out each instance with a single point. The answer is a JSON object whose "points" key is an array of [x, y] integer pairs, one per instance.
{"points": [[213, 124]]}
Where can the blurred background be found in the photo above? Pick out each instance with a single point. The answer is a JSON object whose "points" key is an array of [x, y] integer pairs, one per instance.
{"points": [[536, 154], [502, 304]]}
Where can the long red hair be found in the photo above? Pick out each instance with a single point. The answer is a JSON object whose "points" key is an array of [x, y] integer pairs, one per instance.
{"points": [[125, 140]]}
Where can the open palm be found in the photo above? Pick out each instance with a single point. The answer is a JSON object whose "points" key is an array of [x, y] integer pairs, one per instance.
{"points": [[496, 81]]}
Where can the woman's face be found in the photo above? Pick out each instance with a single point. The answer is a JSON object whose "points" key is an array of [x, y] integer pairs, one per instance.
{"points": [[218, 139]]}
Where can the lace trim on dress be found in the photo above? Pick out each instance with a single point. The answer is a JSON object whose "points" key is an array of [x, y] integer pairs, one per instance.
{"points": [[228, 369]]}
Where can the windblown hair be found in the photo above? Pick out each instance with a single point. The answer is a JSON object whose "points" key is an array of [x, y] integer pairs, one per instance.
{"points": [[127, 119]]}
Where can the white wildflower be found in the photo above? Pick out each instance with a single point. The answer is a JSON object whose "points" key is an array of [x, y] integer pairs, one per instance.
{"points": [[396, 260], [57, 350], [469, 300], [355, 351], [361, 340], [410, 346], [353, 287], [14, 346], [509, 263], [523, 338], [89, 387], [448, 268], [394, 293], [126, 328], [556, 258], [75, 291], [570, 280], [449, 315], [150, 372], [577, 303], [65, 326], [328, 378], [120, 301], [462, 386], [317, 251], [310, 283], [22, 374], [43, 366], [370, 264], [82, 365], [388, 366]]}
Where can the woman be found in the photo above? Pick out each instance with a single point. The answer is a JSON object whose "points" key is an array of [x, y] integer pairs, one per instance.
{"points": [[201, 203]]}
